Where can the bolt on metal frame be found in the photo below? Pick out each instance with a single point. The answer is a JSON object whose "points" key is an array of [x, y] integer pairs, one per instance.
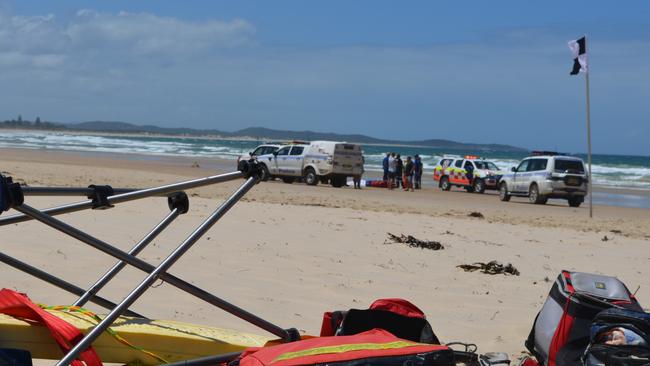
{"points": [[178, 204]]}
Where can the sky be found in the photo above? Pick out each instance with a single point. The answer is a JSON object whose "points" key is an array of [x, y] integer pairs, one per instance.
{"points": [[470, 71]]}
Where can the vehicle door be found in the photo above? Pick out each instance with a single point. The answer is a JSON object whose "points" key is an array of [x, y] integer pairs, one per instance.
{"points": [[456, 172], [537, 169], [519, 177], [280, 160], [441, 169], [467, 166], [295, 160]]}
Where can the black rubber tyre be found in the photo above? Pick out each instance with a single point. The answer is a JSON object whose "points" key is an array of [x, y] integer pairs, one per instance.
{"points": [[479, 185], [534, 196], [444, 183], [337, 182], [264, 172], [575, 201], [288, 180], [310, 177], [503, 192]]}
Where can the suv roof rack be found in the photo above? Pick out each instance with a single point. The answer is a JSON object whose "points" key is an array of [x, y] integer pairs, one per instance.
{"points": [[542, 152], [295, 142]]}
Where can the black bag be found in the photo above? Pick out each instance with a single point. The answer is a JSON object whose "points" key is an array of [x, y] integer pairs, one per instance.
{"points": [[15, 357], [398, 316], [619, 337], [560, 333]]}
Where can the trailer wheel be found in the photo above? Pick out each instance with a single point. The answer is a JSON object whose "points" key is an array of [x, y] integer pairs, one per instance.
{"points": [[337, 182], [310, 177]]}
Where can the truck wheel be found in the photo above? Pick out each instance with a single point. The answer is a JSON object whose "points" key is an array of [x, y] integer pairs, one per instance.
{"points": [[479, 185], [534, 196], [264, 173], [503, 193], [337, 182], [575, 201], [444, 183], [310, 177], [288, 180]]}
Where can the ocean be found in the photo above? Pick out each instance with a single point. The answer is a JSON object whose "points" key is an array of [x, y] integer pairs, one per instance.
{"points": [[615, 171]]}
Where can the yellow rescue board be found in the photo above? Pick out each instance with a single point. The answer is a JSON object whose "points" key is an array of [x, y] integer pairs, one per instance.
{"points": [[170, 340]]}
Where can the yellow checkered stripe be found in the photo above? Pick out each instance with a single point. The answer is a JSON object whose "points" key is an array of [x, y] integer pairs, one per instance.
{"points": [[342, 348]]}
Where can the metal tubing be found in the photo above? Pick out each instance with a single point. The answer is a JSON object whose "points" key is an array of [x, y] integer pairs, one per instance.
{"points": [[207, 361], [129, 196], [67, 191], [146, 267], [159, 271], [121, 264], [64, 285]]}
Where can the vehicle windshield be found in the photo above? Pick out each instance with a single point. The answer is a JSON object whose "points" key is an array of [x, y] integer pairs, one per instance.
{"points": [[569, 166], [487, 165]]}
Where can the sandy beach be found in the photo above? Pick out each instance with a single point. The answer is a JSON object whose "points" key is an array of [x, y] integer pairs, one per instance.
{"points": [[290, 252]]}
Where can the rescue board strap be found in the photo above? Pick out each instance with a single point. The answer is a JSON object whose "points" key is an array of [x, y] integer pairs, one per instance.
{"points": [[97, 319], [18, 305]]}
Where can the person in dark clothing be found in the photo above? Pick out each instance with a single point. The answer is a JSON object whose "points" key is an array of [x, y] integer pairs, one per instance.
{"points": [[398, 170], [407, 182], [469, 169], [384, 164], [417, 172], [357, 178]]}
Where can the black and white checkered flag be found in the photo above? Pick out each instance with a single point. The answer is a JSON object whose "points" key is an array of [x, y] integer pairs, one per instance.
{"points": [[579, 52]]}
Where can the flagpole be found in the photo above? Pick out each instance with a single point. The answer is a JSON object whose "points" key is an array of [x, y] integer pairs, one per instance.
{"points": [[589, 187]]}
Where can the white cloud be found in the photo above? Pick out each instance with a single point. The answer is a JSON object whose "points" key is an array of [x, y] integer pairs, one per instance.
{"points": [[130, 34], [145, 34]]}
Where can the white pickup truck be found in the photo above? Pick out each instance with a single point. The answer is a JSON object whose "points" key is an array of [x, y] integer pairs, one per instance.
{"points": [[318, 161]]}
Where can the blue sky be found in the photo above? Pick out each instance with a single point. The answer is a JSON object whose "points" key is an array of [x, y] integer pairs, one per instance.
{"points": [[492, 72]]}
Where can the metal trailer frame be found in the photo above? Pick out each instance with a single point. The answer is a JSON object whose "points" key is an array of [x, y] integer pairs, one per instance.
{"points": [[104, 197]]}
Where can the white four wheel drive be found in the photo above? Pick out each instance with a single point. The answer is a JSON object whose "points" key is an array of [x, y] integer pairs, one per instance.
{"points": [[546, 175], [319, 161]]}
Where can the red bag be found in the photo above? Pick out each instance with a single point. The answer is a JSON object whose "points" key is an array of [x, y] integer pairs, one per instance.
{"points": [[374, 347]]}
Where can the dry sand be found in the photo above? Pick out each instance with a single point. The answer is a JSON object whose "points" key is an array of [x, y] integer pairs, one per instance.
{"points": [[290, 252]]}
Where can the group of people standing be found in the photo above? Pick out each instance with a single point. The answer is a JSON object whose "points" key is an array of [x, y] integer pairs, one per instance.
{"points": [[406, 173]]}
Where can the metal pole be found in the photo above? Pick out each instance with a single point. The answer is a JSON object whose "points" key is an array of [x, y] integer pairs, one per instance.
{"points": [[129, 196], [146, 267], [67, 191], [121, 264], [67, 286], [591, 193], [207, 361], [159, 271]]}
